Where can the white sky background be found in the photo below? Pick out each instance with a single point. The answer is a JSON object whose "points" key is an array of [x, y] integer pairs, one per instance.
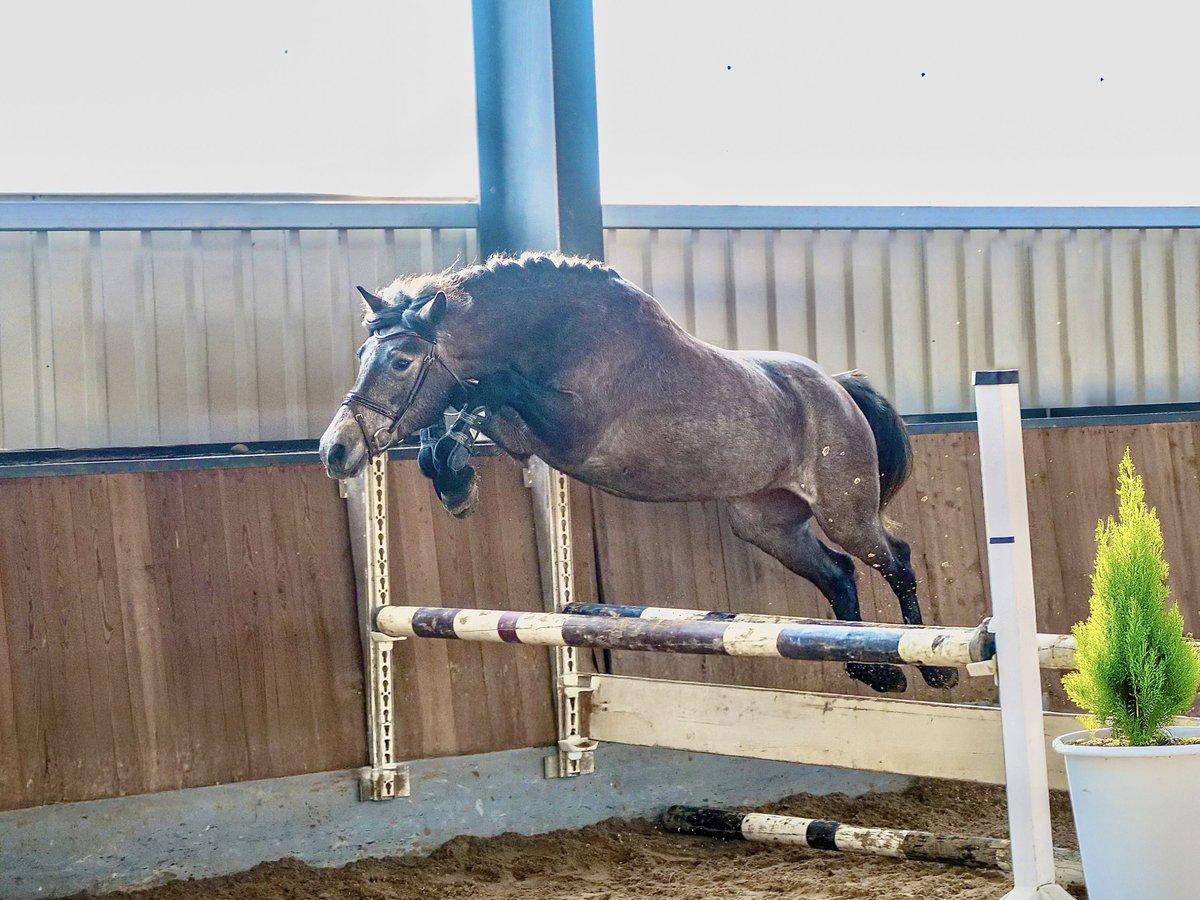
{"points": [[737, 101]]}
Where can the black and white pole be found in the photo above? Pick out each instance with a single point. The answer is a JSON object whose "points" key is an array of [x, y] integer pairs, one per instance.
{"points": [[815, 641], [1055, 651], [823, 834], [1014, 622]]}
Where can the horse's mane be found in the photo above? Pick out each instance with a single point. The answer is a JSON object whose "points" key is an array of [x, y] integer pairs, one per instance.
{"points": [[500, 268]]}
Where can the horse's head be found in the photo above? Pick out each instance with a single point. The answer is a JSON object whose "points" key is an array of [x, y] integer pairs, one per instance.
{"points": [[403, 383]]}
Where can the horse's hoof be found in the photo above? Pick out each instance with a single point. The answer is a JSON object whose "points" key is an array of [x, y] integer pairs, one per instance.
{"points": [[459, 492], [885, 679], [463, 508], [939, 676]]}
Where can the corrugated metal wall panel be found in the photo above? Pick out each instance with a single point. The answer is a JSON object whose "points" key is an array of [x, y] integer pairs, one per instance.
{"points": [[1089, 316], [120, 338], [112, 338]]}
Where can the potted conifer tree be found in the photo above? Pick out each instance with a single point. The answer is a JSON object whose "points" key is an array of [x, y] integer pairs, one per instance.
{"points": [[1134, 776]]}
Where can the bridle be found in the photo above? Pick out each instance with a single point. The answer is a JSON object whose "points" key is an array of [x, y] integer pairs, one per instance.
{"points": [[376, 442]]}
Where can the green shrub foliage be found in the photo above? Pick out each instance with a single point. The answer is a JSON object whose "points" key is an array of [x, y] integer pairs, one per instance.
{"points": [[1136, 668]]}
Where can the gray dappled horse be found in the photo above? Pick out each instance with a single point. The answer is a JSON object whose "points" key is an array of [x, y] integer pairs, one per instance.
{"points": [[577, 366]]}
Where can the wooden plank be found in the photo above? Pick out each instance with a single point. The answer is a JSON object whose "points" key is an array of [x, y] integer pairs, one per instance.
{"points": [[148, 672], [211, 578], [325, 578], [27, 771], [98, 635], [906, 737]]}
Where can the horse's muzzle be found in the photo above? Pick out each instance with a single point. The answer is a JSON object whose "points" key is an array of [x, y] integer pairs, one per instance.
{"points": [[343, 451]]}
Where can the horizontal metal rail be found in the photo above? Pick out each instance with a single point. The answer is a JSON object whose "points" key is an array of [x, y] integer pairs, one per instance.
{"points": [[230, 215], [772, 218], [815, 641], [241, 212], [1055, 651]]}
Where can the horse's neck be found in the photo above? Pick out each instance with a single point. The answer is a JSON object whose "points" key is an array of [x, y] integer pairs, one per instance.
{"points": [[595, 352], [549, 338]]}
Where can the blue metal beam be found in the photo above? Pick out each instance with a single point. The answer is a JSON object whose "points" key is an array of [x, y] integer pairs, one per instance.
{"points": [[577, 138], [514, 108]]}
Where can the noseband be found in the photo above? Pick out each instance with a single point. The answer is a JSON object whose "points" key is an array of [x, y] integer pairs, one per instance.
{"points": [[376, 442]]}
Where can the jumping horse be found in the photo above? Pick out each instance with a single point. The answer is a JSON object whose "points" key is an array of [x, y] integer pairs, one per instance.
{"points": [[563, 359]]}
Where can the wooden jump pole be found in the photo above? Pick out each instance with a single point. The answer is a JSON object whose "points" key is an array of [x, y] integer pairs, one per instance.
{"points": [[1055, 651], [817, 641], [822, 834]]}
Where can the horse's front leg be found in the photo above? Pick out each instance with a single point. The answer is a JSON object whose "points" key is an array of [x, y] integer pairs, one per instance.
{"points": [[508, 431], [455, 488], [532, 418]]}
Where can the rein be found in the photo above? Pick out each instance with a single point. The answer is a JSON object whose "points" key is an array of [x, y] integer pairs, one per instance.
{"points": [[375, 443]]}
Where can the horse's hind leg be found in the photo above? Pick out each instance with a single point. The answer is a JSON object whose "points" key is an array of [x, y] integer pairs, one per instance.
{"points": [[862, 534], [778, 523]]}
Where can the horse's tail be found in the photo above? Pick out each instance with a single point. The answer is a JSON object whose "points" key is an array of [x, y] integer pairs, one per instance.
{"points": [[891, 437]]}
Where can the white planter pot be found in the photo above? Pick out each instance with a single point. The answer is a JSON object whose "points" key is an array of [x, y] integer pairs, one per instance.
{"points": [[1135, 809]]}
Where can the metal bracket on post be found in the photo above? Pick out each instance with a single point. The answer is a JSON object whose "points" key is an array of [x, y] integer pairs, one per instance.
{"points": [[552, 512], [1014, 622], [384, 778]]}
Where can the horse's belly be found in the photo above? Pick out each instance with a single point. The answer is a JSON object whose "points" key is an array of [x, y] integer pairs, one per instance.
{"points": [[674, 476]]}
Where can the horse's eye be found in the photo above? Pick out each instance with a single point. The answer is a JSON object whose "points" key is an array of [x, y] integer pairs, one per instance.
{"points": [[399, 363]]}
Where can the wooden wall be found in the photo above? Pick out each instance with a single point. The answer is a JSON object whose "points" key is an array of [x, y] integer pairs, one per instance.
{"points": [[167, 630], [177, 629], [454, 698], [174, 629]]}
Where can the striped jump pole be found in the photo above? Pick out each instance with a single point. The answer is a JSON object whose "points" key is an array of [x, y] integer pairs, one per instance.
{"points": [[818, 641], [821, 834], [1055, 651]]}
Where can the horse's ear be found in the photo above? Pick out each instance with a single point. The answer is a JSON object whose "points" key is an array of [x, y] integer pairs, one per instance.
{"points": [[432, 313], [375, 303]]}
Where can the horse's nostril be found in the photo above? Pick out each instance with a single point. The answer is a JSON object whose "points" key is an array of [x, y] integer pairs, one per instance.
{"points": [[335, 456]]}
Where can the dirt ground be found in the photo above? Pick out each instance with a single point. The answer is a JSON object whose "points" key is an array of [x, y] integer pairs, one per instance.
{"points": [[635, 860]]}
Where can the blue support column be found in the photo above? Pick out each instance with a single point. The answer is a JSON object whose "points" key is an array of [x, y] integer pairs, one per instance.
{"points": [[580, 231], [535, 90]]}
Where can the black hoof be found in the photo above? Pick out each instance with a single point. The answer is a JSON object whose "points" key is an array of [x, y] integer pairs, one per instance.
{"points": [[458, 492], [939, 676], [878, 677]]}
